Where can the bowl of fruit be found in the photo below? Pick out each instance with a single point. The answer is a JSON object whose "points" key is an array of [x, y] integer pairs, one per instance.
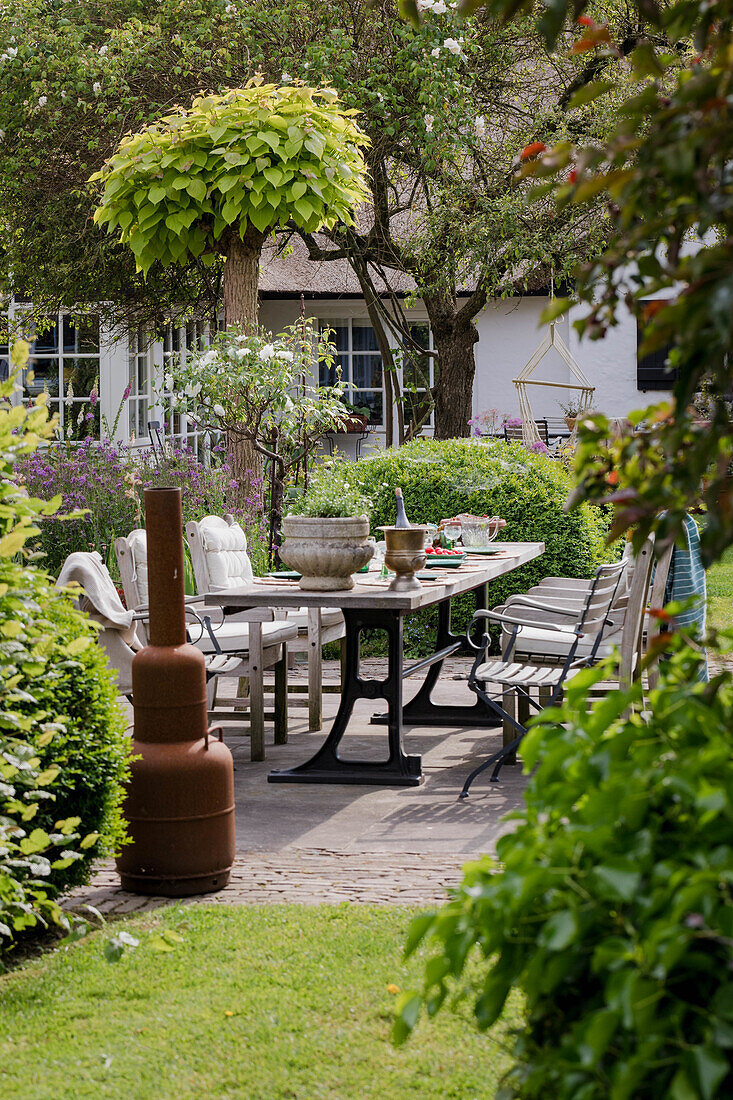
{"points": [[444, 558]]}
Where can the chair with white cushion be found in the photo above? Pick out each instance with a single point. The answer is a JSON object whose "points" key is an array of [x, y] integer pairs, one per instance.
{"points": [[627, 629], [220, 562], [255, 637], [580, 632]]}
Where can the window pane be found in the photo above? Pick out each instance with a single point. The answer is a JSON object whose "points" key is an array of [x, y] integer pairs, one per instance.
{"points": [[327, 375], [421, 334], [81, 334], [337, 333], [416, 370], [82, 373], [367, 371], [142, 373], [47, 338], [416, 405], [364, 336], [82, 419], [141, 429], [373, 400], [45, 375]]}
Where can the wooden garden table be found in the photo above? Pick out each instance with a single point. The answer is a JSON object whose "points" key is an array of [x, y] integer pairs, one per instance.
{"points": [[370, 605]]}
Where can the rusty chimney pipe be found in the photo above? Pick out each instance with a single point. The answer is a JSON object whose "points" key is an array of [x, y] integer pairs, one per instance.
{"points": [[179, 804]]}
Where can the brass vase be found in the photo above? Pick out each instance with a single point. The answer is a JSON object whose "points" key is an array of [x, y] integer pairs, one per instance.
{"points": [[405, 555]]}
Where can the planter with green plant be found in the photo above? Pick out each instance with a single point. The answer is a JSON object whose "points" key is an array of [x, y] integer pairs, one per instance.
{"points": [[326, 536]]}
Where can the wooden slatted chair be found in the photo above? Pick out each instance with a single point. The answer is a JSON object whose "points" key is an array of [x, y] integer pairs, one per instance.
{"points": [[582, 631], [255, 638], [220, 561]]}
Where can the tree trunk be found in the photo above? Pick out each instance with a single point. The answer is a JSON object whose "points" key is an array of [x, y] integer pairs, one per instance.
{"points": [[455, 367], [241, 278]]}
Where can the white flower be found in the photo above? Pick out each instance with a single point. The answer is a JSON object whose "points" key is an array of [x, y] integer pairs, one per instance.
{"points": [[429, 120], [230, 9], [267, 352], [174, 399], [43, 101], [436, 51], [193, 389], [209, 358], [96, 88], [286, 355], [168, 381], [241, 339], [2, 135], [440, 8], [241, 353], [289, 406], [425, 5], [480, 125], [103, 50], [286, 78], [219, 410], [452, 45]]}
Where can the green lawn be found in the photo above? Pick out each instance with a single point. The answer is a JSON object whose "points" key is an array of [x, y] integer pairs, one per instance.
{"points": [[261, 1002], [720, 593]]}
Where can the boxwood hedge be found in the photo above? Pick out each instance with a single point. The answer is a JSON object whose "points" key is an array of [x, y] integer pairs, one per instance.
{"points": [[63, 750], [442, 478]]}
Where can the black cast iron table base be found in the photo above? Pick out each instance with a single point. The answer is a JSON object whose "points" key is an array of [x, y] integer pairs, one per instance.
{"points": [[398, 769]]}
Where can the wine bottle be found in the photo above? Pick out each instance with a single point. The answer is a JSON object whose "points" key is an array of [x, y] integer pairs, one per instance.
{"points": [[402, 520]]}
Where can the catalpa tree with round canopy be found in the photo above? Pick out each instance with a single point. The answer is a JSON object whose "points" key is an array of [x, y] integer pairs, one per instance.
{"points": [[218, 178]]}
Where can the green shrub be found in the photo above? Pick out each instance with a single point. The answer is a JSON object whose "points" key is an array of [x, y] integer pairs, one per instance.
{"points": [[62, 745], [612, 904], [440, 479], [90, 749]]}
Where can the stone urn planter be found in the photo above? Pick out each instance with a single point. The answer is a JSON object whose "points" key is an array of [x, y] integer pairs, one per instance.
{"points": [[326, 551]]}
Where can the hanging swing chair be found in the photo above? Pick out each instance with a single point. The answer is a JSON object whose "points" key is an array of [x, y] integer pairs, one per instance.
{"points": [[552, 339]]}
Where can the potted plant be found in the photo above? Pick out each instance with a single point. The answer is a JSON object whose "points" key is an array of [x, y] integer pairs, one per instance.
{"points": [[326, 536], [572, 410], [358, 418]]}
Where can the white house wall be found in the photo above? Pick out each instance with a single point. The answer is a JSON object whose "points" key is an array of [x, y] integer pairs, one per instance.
{"points": [[509, 332]]}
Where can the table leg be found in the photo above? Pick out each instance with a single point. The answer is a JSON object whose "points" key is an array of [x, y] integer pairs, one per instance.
{"points": [[422, 711], [315, 670], [326, 766]]}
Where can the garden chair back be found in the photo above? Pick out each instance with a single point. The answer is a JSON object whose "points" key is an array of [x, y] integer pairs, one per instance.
{"points": [[96, 594], [513, 432], [241, 646], [220, 561], [585, 624]]}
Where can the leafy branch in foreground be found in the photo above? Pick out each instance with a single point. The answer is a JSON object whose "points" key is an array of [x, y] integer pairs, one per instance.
{"points": [[612, 905]]}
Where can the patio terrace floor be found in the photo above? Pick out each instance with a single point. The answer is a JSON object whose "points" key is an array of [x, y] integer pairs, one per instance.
{"points": [[316, 843]]}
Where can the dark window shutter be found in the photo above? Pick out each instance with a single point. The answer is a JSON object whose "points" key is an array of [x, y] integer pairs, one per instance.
{"points": [[651, 370]]}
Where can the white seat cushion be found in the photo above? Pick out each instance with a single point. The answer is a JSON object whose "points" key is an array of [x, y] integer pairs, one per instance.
{"points": [[234, 637], [330, 616], [535, 642], [137, 540], [227, 561]]}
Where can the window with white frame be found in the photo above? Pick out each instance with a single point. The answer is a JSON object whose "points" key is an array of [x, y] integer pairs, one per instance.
{"points": [[64, 361], [140, 376], [418, 373], [178, 342], [357, 354]]}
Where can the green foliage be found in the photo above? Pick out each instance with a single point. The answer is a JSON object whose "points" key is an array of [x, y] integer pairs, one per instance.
{"points": [[261, 155], [59, 753], [230, 1001], [612, 905], [101, 485], [439, 479], [665, 168], [329, 498]]}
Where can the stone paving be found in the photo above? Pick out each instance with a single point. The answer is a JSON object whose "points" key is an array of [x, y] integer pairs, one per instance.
{"points": [[331, 843]]}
